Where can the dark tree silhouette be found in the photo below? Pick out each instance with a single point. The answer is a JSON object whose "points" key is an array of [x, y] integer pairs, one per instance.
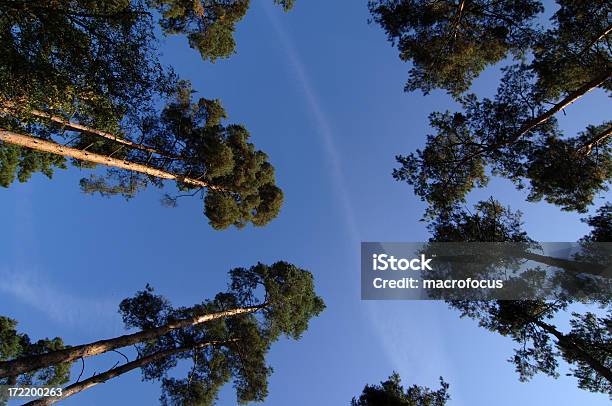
{"points": [[587, 346], [392, 393]]}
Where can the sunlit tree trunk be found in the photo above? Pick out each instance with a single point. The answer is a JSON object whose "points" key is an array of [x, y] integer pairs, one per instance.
{"points": [[542, 118], [54, 148], [36, 362], [120, 370], [599, 138], [569, 99], [11, 108]]}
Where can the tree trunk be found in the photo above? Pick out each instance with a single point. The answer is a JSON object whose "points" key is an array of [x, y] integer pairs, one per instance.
{"points": [[460, 8], [568, 344], [10, 108], [115, 372], [568, 265], [569, 99], [599, 138], [542, 118], [54, 148], [596, 40], [35, 362], [565, 264]]}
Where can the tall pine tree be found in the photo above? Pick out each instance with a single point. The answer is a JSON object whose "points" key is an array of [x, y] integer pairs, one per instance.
{"points": [[226, 338], [83, 80]]}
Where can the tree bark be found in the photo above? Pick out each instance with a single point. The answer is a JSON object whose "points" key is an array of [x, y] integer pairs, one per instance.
{"points": [[569, 265], [542, 118], [567, 343], [569, 99], [32, 363], [596, 40], [601, 137], [10, 108], [115, 372], [566, 264], [458, 20], [54, 148]]}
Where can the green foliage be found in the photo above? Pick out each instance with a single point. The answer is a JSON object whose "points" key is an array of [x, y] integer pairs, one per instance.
{"points": [[601, 225], [262, 303], [595, 334], [536, 351], [601, 232], [92, 62], [94, 54], [286, 295], [205, 149], [450, 43], [253, 194], [289, 293], [515, 136], [575, 47], [564, 173], [209, 25], [392, 393], [16, 345], [527, 322], [432, 171], [21, 163], [567, 171], [96, 64], [489, 221]]}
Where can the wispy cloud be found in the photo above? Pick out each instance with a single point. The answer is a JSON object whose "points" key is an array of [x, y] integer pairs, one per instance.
{"points": [[34, 289], [411, 335], [322, 123], [404, 339], [24, 279]]}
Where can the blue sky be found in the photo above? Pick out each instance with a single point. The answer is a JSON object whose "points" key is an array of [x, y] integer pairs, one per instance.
{"points": [[321, 92]]}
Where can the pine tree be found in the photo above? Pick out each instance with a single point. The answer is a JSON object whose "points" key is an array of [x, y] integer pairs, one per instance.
{"points": [[226, 338], [392, 393], [451, 42], [83, 80], [515, 134], [587, 346]]}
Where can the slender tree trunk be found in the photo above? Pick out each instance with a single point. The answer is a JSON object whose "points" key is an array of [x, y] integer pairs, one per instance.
{"points": [[569, 265], [569, 99], [115, 372], [458, 20], [596, 40], [10, 108], [32, 363], [568, 344], [566, 264], [599, 138], [54, 148], [542, 118]]}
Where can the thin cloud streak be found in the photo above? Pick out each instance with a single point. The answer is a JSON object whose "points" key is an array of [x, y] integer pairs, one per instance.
{"points": [[29, 284], [33, 289], [322, 122], [394, 336]]}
